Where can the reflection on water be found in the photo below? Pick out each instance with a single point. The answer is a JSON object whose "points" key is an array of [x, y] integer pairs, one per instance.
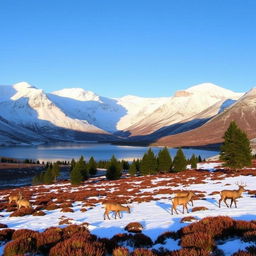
{"points": [[67, 151]]}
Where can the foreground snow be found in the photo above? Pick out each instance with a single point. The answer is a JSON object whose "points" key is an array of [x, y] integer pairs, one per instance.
{"points": [[155, 216]]}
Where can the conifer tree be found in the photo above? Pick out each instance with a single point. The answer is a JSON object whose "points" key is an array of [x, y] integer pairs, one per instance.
{"points": [[92, 166], [133, 168], [179, 162], [73, 163], [125, 165], [55, 171], [193, 162], [114, 170], [236, 150], [164, 160], [148, 163], [48, 176], [76, 175]]}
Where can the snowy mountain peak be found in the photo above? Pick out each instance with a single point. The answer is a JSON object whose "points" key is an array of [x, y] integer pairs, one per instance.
{"points": [[77, 94], [213, 91], [22, 85]]}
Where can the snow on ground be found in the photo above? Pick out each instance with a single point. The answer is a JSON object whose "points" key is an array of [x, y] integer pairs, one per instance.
{"points": [[155, 216], [233, 246]]}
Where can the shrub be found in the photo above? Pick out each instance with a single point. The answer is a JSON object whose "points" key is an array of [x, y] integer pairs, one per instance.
{"points": [[6, 234], [242, 253], [67, 209], [249, 236], [121, 238], [241, 226], [134, 227], [199, 240], [121, 251], [217, 227], [64, 205], [200, 208], [142, 252], [70, 230], [77, 246], [251, 249], [24, 233], [189, 252], [141, 240], [169, 234], [51, 207], [188, 219], [49, 238], [109, 244], [3, 225], [39, 213], [20, 246], [22, 212]]}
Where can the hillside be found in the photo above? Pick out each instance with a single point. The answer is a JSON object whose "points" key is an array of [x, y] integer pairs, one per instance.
{"points": [[243, 112]]}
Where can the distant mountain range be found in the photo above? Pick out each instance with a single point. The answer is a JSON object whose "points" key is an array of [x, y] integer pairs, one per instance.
{"points": [[196, 116]]}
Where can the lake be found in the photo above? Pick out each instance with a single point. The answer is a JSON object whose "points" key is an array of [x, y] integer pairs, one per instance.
{"points": [[67, 151]]}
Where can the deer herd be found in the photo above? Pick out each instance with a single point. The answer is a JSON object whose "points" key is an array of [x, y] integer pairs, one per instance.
{"points": [[181, 198]]}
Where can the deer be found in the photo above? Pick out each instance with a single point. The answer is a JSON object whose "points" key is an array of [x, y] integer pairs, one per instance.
{"points": [[14, 198], [231, 194], [23, 202], [182, 200], [184, 193], [115, 207]]}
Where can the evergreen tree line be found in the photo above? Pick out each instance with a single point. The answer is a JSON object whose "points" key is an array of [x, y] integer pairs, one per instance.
{"points": [[162, 162], [48, 176]]}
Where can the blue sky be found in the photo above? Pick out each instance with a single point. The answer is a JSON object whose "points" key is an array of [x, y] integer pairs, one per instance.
{"points": [[119, 47]]}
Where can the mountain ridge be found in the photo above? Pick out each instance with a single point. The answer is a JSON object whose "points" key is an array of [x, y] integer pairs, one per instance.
{"points": [[76, 114]]}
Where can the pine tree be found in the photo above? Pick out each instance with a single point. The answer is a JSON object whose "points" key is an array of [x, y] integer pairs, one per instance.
{"points": [[55, 171], [132, 168], [76, 174], [148, 163], [73, 163], [114, 170], [92, 166], [236, 150], [83, 168], [193, 162], [179, 162], [48, 176], [164, 160], [125, 165]]}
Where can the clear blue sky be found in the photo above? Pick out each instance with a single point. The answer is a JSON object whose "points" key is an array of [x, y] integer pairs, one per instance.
{"points": [[117, 47]]}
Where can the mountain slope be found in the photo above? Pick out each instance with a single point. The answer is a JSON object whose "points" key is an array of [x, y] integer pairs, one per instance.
{"points": [[30, 108], [183, 106], [243, 112], [108, 114]]}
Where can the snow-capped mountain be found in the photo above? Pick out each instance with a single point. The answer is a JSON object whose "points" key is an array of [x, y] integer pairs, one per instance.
{"points": [[28, 107], [243, 112], [77, 114], [199, 102], [108, 114]]}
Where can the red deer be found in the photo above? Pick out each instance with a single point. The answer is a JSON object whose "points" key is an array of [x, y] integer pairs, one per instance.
{"points": [[231, 194], [115, 207], [182, 200]]}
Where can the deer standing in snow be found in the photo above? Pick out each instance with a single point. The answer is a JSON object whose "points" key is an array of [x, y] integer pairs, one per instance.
{"points": [[115, 207], [182, 200], [23, 202], [231, 194], [14, 198], [184, 193]]}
